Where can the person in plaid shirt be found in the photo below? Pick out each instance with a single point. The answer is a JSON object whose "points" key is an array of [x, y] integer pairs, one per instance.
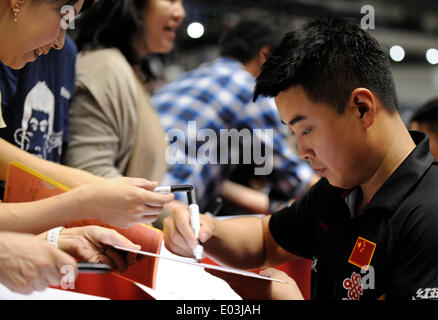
{"points": [[217, 97]]}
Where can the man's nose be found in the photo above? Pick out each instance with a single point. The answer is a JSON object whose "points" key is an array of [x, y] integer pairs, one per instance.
{"points": [[304, 152]]}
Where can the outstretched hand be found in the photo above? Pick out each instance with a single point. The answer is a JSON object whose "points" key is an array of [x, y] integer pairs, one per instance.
{"points": [[122, 202], [95, 244]]}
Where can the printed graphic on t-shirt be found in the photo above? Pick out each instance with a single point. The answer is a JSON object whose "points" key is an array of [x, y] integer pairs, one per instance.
{"points": [[354, 286], [36, 134], [2, 122]]}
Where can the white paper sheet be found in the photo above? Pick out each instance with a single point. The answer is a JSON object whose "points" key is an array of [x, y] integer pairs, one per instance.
{"points": [[179, 281], [203, 265]]}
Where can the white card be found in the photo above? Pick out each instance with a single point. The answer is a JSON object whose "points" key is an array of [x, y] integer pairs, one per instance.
{"points": [[203, 265]]}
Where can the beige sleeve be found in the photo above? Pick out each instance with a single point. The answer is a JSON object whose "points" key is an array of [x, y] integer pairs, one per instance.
{"points": [[103, 117]]}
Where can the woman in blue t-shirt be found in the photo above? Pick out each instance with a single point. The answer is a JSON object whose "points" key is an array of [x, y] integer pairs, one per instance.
{"points": [[122, 202]]}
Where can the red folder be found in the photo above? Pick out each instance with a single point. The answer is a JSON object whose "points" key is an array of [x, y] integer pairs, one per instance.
{"points": [[24, 184]]}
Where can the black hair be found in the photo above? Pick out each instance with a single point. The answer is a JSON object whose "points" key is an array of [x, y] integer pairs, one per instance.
{"points": [[244, 41], [329, 58], [114, 23], [428, 114], [87, 4]]}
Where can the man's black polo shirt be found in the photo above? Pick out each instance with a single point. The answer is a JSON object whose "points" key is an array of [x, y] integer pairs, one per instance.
{"points": [[395, 235]]}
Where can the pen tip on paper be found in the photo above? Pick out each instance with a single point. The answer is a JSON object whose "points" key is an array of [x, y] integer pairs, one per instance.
{"points": [[198, 252]]}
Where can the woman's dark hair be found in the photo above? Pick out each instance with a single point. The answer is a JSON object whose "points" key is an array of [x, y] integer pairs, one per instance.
{"points": [[329, 58], [87, 4], [114, 23]]}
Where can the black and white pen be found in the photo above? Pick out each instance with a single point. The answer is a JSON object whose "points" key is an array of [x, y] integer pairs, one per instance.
{"points": [[195, 223], [174, 188]]}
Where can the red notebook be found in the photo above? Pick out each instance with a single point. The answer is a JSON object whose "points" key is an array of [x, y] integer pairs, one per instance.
{"points": [[24, 184]]}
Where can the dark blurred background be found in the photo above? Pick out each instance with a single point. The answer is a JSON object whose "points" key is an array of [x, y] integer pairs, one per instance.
{"points": [[408, 29]]}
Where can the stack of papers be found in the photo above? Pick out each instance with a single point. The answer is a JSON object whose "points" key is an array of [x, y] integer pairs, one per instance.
{"points": [[187, 281], [181, 278]]}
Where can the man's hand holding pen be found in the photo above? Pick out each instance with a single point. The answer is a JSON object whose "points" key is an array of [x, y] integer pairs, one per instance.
{"points": [[179, 237], [194, 216]]}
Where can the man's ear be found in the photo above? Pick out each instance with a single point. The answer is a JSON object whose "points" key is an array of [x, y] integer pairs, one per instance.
{"points": [[363, 104], [264, 54]]}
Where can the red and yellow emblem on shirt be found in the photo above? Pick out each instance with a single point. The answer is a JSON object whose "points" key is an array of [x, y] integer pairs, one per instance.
{"points": [[362, 253]]}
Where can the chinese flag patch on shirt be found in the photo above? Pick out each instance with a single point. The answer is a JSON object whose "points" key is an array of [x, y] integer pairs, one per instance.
{"points": [[362, 253]]}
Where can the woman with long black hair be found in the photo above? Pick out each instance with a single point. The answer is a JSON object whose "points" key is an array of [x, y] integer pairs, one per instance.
{"points": [[114, 130]]}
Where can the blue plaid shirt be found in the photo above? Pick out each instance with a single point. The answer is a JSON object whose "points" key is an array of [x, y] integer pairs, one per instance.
{"points": [[218, 95]]}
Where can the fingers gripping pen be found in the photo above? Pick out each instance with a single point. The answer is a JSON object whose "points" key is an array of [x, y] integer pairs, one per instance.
{"points": [[195, 222]]}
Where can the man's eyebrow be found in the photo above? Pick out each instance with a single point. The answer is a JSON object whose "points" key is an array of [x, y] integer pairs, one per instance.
{"points": [[294, 120]]}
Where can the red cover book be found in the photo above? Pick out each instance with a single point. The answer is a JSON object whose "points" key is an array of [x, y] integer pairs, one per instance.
{"points": [[24, 184]]}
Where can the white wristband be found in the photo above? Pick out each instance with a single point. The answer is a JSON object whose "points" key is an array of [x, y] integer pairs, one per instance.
{"points": [[53, 235]]}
